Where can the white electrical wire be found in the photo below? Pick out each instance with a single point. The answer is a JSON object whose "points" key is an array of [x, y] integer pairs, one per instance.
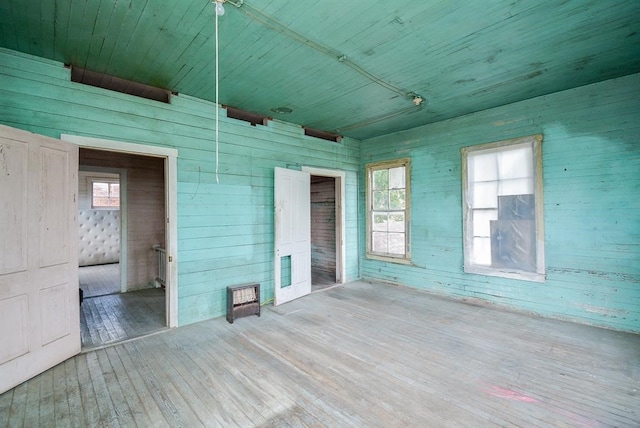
{"points": [[217, 104]]}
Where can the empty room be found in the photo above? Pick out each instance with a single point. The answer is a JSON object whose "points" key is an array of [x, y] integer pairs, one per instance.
{"points": [[320, 213]]}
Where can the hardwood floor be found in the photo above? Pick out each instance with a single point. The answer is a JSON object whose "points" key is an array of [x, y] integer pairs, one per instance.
{"points": [[100, 279], [358, 355], [121, 316], [322, 280]]}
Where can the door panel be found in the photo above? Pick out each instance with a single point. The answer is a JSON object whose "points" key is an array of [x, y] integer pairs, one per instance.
{"points": [[292, 235], [39, 304], [13, 193]]}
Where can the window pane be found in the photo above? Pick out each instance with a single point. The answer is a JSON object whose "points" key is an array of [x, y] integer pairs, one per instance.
{"points": [[515, 163], [115, 190], [396, 178], [379, 242], [481, 251], [396, 243], [481, 219], [380, 222], [517, 186], [396, 199], [381, 179], [100, 190], [484, 194], [483, 167], [381, 200], [100, 194], [396, 222]]}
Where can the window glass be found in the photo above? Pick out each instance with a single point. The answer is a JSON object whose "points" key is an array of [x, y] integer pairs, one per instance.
{"points": [[388, 205], [105, 194]]}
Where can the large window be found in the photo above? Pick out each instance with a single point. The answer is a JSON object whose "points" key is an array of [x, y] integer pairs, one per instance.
{"points": [[502, 207], [388, 210], [105, 193]]}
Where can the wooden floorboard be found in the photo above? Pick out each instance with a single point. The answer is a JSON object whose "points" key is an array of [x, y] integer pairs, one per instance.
{"points": [[358, 355], [117, 317], [99, 280]]}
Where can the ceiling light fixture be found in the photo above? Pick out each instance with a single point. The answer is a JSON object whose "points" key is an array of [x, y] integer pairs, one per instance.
{"points": [[219, 7]]}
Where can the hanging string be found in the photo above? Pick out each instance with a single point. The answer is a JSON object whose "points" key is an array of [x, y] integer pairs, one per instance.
{"points": [[217, 104]]}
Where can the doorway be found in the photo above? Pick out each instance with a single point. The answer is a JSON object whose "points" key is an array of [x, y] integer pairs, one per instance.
{"points": [[121, 216], [327, 227], [100, 208], [127, 156]]}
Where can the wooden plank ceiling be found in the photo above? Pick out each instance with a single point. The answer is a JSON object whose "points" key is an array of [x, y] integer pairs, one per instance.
{"points": [[351, 67]]}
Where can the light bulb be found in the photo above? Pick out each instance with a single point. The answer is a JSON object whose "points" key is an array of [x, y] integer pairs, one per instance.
{"points": [[219, 8]]}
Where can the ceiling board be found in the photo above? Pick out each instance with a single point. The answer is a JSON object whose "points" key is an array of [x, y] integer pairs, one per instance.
{"points": [[461, 56]]}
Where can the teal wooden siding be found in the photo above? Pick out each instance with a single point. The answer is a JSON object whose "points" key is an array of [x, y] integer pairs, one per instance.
{"points": [[225, 229], [591, 169]]}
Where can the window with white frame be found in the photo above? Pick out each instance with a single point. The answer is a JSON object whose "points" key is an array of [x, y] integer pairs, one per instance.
{"points": [[105, 193], [388, 210], [502, 209]]}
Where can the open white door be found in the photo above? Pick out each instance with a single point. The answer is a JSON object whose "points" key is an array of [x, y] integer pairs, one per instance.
{"points": [[39, 297], [292, 235]]}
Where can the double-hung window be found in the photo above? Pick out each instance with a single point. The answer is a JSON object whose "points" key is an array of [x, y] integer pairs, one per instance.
{"points": [[503, 210], [388, 210]]}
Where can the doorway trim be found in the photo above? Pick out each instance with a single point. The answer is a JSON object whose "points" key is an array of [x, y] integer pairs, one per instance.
{"points": [[340, 216], [170, 156]]}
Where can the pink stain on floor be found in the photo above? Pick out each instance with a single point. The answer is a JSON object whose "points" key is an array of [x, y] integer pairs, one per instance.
{"points": [[575, 419], [497, 391]]}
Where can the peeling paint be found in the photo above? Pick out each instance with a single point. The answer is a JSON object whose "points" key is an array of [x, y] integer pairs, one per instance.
{"points": [[607, 312]]}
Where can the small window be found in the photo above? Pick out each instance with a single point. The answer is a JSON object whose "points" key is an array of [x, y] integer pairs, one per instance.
{"points": [[105, 194], [502, 209], [388, 210]]}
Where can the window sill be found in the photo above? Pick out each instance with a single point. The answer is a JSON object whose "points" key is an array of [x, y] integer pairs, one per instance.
{"points": [[520, 275], [401, 261]]}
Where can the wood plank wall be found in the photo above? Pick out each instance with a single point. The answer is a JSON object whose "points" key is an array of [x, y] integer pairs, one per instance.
{"points": [[591, 169], [225, 229], [323, 228]]}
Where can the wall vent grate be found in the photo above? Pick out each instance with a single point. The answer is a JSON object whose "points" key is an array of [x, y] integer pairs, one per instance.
{"points": [[324, 135], [253, 118], [112, 83]]}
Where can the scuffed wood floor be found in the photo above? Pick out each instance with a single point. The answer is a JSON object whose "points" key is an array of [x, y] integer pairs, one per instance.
{"points": [[121, 316], [360, 355], [99, 280]]}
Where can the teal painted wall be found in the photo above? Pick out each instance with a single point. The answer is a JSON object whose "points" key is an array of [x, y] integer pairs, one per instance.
{"points": [[225, 230], [591, 169], [591, 162]]}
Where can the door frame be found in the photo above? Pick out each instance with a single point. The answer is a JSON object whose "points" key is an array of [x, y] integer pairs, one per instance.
{"points": [[340, 216], [170, 156]]}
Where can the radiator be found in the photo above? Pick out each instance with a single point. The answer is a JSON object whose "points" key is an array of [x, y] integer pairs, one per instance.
{"points": [[161, 278], [243, 300]]}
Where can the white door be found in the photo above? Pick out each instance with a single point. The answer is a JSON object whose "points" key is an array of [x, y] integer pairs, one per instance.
{"points": [[292, 235], [39, 297]]}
